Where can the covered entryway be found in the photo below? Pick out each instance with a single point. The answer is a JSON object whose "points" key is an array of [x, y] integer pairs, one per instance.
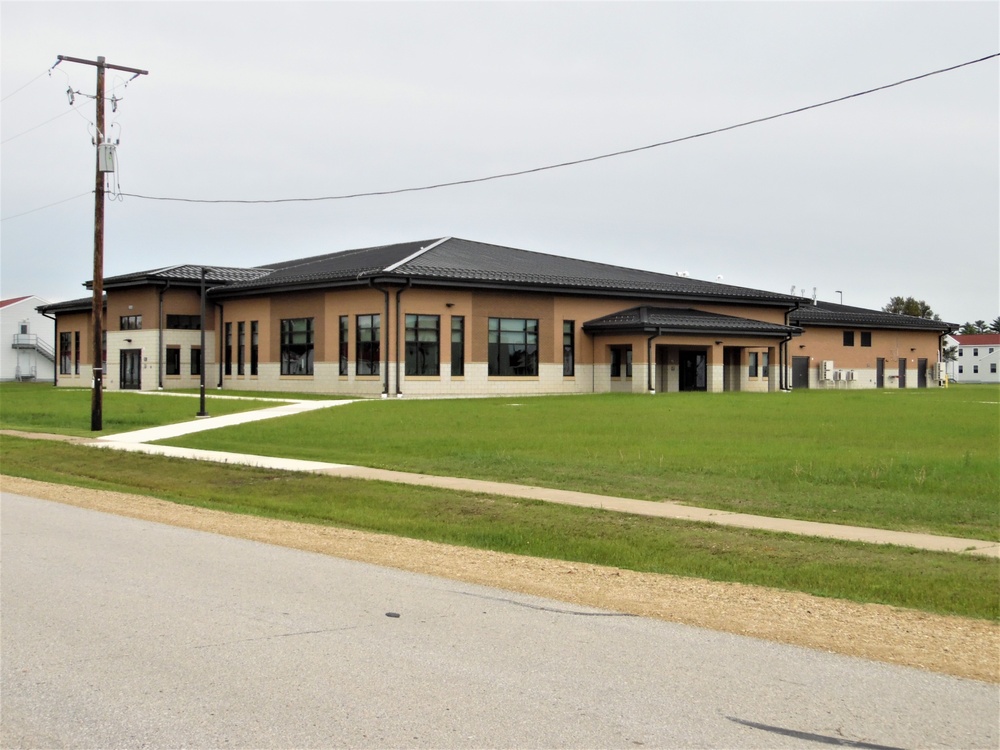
{"points": [[693, 371], [800, 372], [130, 369]]}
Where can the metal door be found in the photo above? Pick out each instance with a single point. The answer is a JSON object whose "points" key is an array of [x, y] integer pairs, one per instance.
{"points": [[902, 372], [130, 369], [921, 373], [800, 372], [880, 372], [693, 376]]}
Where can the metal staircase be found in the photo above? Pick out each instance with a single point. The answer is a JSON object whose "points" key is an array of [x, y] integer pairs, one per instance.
{"points": [[31, 341]]}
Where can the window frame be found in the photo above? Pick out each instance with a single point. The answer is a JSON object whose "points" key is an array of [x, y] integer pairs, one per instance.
{"points": [[241, 347], [172, 361], [254, 348], [65, 352], [343, 345], [195, 366], [848, 338], [228, 368], [458, 346], [422, 339], [753, 364], [501, 354], [368, 345], [569, 348], [866, 339], [298, 347], [130, 322]]}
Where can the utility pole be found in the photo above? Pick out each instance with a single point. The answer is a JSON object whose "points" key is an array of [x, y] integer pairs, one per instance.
{"points": [[97, 313]]}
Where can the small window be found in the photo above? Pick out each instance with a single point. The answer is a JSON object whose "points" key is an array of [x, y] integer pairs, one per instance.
{"points": [[961, 369], [241, 343], [765, 366], [229, 349], [993, 367], [196, 360], [848, 338], [423, 345], [569, 348], [65, 352], [753, 365], [368, 345], [173, 360], [297, 346], [975, 368], [76, 353], [866, 338], [131, 322], [975, 352], [254, 346], [342, 344], [621, 361], [184, 322], [457, 346], [961, 352]]}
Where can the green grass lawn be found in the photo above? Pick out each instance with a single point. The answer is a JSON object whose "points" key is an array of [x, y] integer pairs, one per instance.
{"points": [[934, 582], [41, 407], [915, 460]]}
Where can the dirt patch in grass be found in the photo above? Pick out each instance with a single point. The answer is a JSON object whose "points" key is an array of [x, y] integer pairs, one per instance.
{"points": [[950, 645]]}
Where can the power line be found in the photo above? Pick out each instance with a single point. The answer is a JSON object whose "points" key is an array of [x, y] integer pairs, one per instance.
{"points": [[51, 119], [23, 87], [40, 208], [575, 161]]}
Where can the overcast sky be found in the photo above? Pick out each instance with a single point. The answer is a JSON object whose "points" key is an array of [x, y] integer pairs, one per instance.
{"points": [[894, 193]]}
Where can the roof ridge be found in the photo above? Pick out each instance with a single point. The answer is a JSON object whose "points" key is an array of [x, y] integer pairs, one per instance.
{"points": [[414, 256]]}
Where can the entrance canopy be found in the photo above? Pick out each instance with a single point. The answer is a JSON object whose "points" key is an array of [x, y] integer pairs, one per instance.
{"points": [[672, 320]]}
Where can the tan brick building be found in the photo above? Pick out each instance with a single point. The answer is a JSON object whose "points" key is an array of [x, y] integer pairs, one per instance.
{"points": [[452, 317]]}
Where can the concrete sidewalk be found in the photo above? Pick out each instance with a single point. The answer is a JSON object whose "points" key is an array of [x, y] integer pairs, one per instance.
{"points": [[139, 440]]}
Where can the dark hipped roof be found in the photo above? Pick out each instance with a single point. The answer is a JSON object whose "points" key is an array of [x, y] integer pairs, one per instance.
{"points": [[187, 274], [840, 316], [676, 320], [456, 262], [82, 304]]}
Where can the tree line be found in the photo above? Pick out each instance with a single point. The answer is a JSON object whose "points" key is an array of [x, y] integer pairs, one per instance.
{"points": [[920, 309]]}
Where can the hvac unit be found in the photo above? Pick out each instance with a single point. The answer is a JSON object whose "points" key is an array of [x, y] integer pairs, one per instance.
{"points": [[939, 373], [826, 370], [850, 374], [838, 375]]}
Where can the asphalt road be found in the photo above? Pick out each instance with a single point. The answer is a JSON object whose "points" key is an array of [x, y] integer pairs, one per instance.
{"points": [[124, 633]]}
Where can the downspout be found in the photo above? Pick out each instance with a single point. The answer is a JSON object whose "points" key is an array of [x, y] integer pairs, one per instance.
{"points": [[399, 293], [55, 347], [650, 385], [782, 358], [160, 352], [783, 375], [385, 378], [220, 341]]}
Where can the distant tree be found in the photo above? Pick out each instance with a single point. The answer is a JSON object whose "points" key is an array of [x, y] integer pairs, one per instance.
{"points": [[910, 306], [981, 326], [969, 329], [995, 325], [949, 353]]}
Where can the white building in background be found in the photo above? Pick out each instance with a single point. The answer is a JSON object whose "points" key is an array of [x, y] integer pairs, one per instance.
{"points": [[27, 349], [978, 358]]}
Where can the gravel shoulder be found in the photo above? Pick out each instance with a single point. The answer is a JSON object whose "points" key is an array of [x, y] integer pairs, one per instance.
{"points": [[950, 645]]}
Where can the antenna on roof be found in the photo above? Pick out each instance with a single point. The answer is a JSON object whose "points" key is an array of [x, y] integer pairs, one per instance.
{"points": [[814, 295], [682, 273], [793, 290], [719, 277]]}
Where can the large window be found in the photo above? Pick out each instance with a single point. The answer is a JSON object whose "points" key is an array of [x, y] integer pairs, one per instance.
{"points": [[229, 348], [254, 346], [297, 346], [76, 352], [569, 348], [65, 353], [173, 360], [423, 345], [369, 350], [196, 360], [241, 344], [184, 322], [754, 371], [457, 346], [343, 346], [513, 346], [131, 322]]}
